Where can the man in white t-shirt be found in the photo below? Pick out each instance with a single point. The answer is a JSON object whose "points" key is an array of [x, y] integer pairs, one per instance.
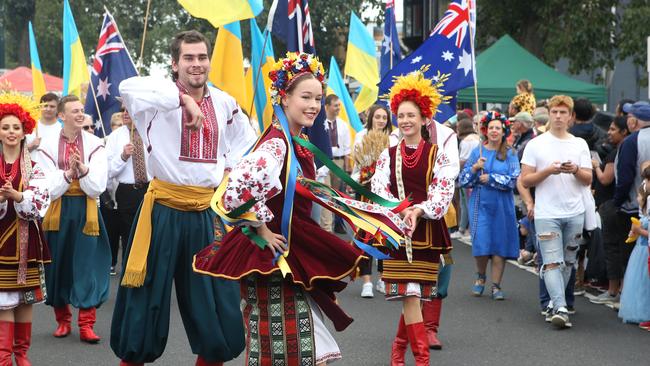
{"points": [[48, 125], [558, 165]]}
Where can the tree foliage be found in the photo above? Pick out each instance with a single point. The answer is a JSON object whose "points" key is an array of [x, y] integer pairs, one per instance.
{"points": [[330, 20], [582, 31], [634, 32]]}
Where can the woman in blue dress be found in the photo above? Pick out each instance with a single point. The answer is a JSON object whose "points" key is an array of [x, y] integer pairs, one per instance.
{"points": [[492, 170], [635, 297]]}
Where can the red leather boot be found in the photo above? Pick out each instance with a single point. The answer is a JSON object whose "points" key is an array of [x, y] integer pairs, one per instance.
{"points": [[400, 344], [22, 341], [417, 336], [6, 342], [431, 317], [200, 361], [125, 363], [86, 322], [63, 319]]}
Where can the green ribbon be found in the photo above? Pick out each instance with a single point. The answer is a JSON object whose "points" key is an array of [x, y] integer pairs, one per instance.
{"points": [[343, 175], [258, 240]]}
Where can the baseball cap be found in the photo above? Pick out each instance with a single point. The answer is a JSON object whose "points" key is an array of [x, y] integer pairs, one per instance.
{"points": [[522, 116], [640, 110]]}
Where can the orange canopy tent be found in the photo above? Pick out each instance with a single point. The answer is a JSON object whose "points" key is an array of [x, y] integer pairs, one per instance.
{"points": [[20, 79]]}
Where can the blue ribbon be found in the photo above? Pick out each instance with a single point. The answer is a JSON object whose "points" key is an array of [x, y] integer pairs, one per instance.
{"points": [[371, 250], [290, 184]]}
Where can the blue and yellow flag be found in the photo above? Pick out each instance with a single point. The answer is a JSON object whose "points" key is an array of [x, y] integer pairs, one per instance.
{"points": [[220, 12], [336, 85], [361, 63], [38, 82], [227, 64], [75, 68], [261, 54]]}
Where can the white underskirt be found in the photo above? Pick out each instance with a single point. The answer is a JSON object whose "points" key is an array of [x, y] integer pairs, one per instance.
{"points": [[9, 300], [326, 349], [412, 289]]}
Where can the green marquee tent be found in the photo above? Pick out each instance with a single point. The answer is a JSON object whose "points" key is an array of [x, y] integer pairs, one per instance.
{"points": [[499, 67]]}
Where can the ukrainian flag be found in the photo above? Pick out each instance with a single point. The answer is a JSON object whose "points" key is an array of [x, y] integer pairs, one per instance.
{"points": [[227, 64], [38, 82], [261, 82], [75, 69], [361, 63], [220, 12], [336, 85]]}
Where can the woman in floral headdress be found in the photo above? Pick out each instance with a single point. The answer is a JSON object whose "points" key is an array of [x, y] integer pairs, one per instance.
{"points": [[422, 170], [285, 300], [492, 170], [23, 199]]}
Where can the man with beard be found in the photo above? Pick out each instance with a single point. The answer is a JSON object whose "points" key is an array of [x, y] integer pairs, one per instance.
{"points": [[191, 133]]}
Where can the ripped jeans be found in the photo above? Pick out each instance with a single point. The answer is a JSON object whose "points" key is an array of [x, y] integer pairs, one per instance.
{"points": [[559, 240]]}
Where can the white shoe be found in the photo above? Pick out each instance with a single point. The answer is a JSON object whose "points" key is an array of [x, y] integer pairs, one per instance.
{"points": [[455, 235], [381, 287], [366, 291]]}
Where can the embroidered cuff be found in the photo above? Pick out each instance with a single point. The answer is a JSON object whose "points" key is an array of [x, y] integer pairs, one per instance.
{"points": [[83, 175]]}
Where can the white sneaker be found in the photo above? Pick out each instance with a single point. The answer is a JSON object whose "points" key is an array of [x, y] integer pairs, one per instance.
{"points": [[366, 291], [455, 235], [381, 286], [605, 298]]}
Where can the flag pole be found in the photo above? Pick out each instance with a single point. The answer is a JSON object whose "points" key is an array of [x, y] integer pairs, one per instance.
{"points": [[140, 59], [144, 35], [260, 114], [471, 43], [99, 113]]}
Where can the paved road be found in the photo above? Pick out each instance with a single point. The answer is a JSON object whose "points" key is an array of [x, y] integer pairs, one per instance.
{"points": [[475, 331]]}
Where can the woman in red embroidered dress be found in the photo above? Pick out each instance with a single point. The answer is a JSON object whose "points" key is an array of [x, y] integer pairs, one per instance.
{"points": [[23, 199], [283, 314], [417, 168]]}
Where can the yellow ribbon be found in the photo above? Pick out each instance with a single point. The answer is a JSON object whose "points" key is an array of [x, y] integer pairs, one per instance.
{"points": [[184, 198], [52, 219]]}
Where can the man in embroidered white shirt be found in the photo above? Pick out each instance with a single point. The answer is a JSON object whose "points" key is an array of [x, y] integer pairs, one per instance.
{"points": [[341, 148], [192, 133]]}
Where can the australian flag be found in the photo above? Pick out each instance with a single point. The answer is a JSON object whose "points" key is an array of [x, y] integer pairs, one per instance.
{"points": [[447, 50], [111, 65], [290, 22], [390, 48]]}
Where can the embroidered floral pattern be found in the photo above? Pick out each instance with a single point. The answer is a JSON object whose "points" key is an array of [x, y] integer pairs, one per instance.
{"points": [[380, 182], [257, 176], [36, 197]]}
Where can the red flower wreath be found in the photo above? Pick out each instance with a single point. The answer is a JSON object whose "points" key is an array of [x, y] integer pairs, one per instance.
{"points": [[412, 95], [17, 111]]}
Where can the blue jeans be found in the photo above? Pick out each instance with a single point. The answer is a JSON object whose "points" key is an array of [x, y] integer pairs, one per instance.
{"points": [[545, 298], [559, 240]]}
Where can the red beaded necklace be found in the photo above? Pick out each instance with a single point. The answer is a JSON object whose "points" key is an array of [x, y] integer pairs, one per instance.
{"points": [[410, 161], [12, 173], [302, 151]]}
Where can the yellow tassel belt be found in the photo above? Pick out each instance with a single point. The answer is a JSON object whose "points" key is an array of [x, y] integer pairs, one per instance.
{"points": [[179, 197], [52, 219]]}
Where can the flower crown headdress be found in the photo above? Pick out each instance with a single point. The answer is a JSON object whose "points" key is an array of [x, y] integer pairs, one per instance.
{"points": [[22, 107], [288, 69], [415, 87], [492, 116]]}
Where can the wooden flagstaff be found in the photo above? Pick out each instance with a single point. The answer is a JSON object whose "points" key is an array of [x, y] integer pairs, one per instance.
{"points": [[141, 58]]}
